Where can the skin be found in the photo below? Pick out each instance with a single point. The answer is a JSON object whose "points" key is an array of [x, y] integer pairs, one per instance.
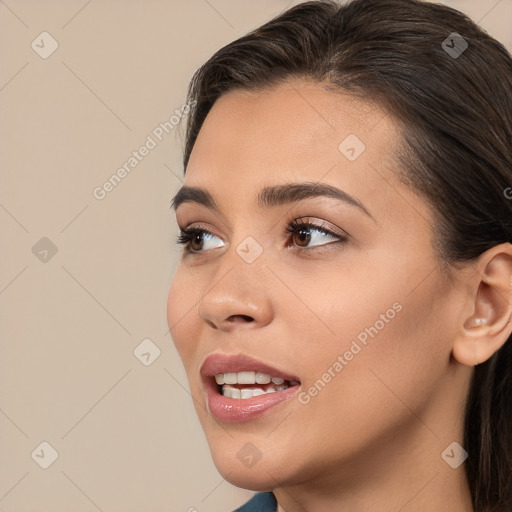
{"points": [[372, 438]]}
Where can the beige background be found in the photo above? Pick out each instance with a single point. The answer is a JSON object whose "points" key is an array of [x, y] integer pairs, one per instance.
{"points": [[126, 434]]}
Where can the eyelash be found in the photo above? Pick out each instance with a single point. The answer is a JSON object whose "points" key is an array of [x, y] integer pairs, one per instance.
{"points": [[295, 227]]}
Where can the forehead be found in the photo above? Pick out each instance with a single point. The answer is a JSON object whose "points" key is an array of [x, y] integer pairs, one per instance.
{"points": [[286, 129], [295, 131]]}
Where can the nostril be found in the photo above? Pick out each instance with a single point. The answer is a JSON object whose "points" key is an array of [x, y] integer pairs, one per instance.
{"points": [[246, 318], [211, 324]]}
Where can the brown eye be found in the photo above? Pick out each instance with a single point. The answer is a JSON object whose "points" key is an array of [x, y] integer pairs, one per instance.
{"points": [[196, 239], [303, 233], [193, 239], [303, 237]]}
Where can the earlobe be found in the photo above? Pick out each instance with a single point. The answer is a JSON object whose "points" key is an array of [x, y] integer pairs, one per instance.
{"points": [[489, 324]]}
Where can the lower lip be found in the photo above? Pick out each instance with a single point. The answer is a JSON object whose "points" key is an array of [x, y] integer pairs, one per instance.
{"points": [[244, 409]]}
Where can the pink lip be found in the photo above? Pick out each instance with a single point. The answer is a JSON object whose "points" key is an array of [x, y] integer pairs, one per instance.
{"points": [[237, 410]]}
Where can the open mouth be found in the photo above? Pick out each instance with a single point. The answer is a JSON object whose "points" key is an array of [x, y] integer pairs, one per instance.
{"points": [[249, 384], [241, 388]]}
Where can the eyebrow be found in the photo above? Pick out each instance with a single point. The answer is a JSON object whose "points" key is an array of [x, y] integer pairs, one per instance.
{"points": [[271, 196]]}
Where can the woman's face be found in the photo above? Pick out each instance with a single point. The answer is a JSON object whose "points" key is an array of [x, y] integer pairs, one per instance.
{"points": [[360, 318]]}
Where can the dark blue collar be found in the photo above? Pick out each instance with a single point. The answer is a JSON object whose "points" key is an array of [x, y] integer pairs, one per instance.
{"points": [[260, 502]]}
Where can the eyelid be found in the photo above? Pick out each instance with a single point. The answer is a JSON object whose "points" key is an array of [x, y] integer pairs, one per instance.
{"points": [[321, 225], [196, 226]]}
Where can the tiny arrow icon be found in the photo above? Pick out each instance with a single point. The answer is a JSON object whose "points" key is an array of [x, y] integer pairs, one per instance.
{"points": [[249, 249], [44, 455], [44, 250], [454, 45], [454, 455], [351, 147], [249, 455], [146, 352], [44, 45]]}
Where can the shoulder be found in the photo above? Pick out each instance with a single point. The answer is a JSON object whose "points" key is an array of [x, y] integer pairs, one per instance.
{"points": [[260, 502]]}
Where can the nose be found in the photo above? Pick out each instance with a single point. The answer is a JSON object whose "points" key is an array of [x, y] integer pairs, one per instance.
{"points": [[236, 300]]}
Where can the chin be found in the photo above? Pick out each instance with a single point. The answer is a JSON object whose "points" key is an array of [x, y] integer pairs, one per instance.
{"points": [[255, 463], [261, 477]]}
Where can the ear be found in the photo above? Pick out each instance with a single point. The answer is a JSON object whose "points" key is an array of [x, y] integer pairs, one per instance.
{"points": [[489, 323]]}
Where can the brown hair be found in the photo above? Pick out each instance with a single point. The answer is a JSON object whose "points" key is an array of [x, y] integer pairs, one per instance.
{"points": [[455, 110]]}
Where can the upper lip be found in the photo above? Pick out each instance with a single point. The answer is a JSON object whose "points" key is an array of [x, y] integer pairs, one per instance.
{"points": [[218, 362]]}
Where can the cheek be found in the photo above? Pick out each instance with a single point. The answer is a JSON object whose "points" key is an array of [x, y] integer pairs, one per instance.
{"points": [[182, 315], [387, 349]]}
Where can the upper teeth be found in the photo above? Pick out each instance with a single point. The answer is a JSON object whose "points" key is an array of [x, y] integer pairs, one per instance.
{"points": [[246, 378]]}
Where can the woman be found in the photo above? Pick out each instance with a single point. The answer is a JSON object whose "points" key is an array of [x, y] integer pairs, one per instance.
{"points": [[343, 305]]}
